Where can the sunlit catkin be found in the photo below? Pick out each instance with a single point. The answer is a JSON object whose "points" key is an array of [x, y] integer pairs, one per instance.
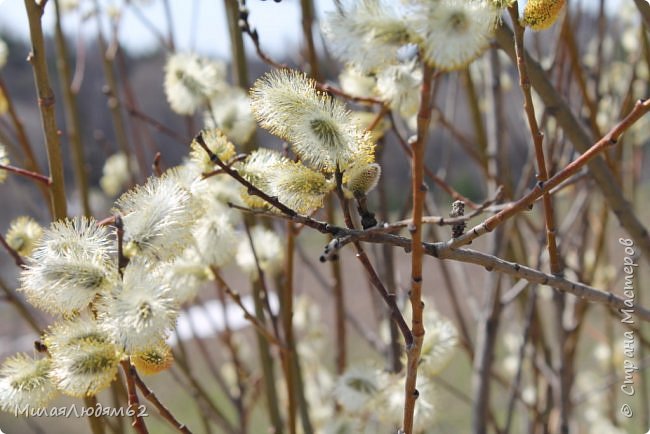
{"points": [[541, 14], [319, 128], [25, 381], [23, 234]]}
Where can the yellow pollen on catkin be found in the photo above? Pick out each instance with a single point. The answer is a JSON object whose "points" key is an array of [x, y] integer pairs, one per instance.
{"points": [[153, 360], [541, 14]]}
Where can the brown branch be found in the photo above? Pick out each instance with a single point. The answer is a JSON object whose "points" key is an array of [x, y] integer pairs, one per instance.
{"points": [[155, 124], [29, 157], [247, 315], [609, 140], [134, 404], [563, 385], [20, 263], [442, 250], [46, 107], [419, 190], [581, 141], [644, 8], [44, 180], [151, 397]]}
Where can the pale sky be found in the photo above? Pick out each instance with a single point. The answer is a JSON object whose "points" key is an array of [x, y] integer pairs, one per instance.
{"points": [[277, 23]]}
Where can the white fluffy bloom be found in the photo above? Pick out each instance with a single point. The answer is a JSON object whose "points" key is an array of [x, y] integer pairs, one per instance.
{"points": [[216, 239], [360, 179], [319, 128], [391, 399], [84, 360], [4, 53], [356, 83], [115, 174], [440, 342], [23, 234], [191, 80], [24, 381], [230, 111], [368, 34], [218, 143], [85, 369], [68, 333], [71, 265], [268, 249], [297, 186], [356, 387], [256, 170], [399, 85], [454, 32], [158, 217], [141, 312], [186, 275]]}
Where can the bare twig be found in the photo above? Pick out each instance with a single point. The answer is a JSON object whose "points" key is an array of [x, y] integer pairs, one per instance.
{"points": [[151, 397], [419, 189], [42, 179], [46, 106], [580, 139], [134, 404], [609, 140]]}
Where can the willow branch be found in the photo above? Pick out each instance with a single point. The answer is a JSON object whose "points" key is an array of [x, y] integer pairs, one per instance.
{"points": [[419, 190], [234, 295], [609, 140], [41, 179], [581, 141], [129, 375], [29, 157], [46, 107], [22, 307], [151, 397]]}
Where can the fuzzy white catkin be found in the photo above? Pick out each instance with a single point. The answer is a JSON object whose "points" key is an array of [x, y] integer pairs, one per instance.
{"points": [[452, 33], [84, 360], [230, 111], [320, 129], [71, 264], [25, 381], [158, 217], [191, 80], [141, 311], [367, 34], [115, 174], [268, 250]]}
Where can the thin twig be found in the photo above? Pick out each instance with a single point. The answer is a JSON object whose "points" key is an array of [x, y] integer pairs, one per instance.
{"points": [[134, 404], [609, 140], [419, 189], [151, 397], [42, 179], [234, 295], [46, 107], [20, 262], [582, 142], [563, 385]]}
